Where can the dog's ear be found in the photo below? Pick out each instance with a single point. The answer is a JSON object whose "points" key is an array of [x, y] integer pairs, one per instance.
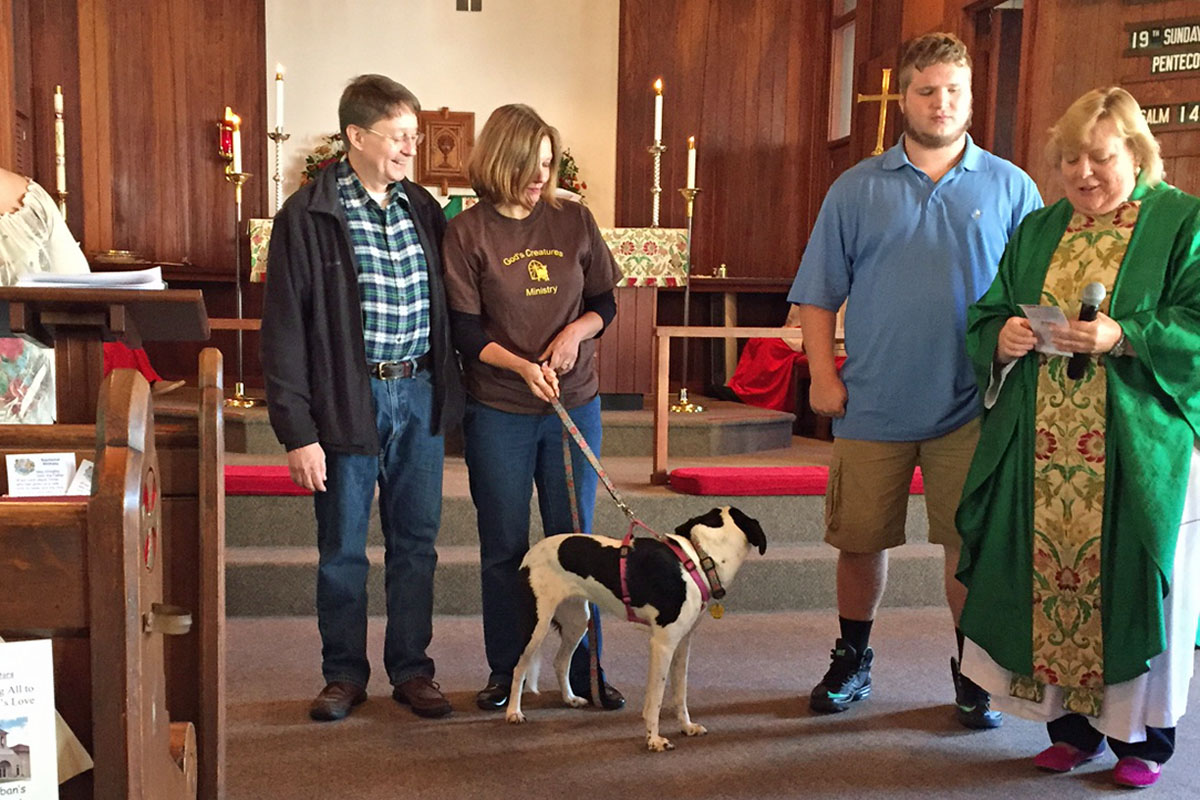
{"points": [[712, 519], [750, 527]]}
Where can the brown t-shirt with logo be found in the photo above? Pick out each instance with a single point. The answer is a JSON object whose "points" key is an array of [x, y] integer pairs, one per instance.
{"points": [[526, 279]]}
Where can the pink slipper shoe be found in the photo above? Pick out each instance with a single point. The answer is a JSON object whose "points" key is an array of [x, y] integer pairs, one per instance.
{"points": [[1063, 757], [1136, 773]]}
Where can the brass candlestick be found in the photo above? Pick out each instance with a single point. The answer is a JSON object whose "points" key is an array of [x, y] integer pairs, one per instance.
{"points": [[656, 150], [240, 399], [685, 406], [278, 137]]}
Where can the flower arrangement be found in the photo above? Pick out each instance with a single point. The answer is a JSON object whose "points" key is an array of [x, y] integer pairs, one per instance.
{"points": [[328, 151], [568, 174]]}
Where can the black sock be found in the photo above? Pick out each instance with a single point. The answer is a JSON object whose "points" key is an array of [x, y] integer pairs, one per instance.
{"points": [[856, 633], [958, 635]]}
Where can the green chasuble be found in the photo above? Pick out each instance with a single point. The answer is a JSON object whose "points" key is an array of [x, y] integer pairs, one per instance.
{"points": [[1153, 420]]}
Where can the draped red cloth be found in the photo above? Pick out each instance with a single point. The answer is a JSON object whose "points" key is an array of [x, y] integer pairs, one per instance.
{"points": [[765, 374], [121, 356]]}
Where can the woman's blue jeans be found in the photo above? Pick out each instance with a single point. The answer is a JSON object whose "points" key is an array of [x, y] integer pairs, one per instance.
{"points": [[507, 455], [408, 470]]}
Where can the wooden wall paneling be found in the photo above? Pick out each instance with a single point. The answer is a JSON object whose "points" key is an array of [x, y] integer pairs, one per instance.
{"points": [[749, 81], [54, 39], [22, 132], [95, 118], [8, 144]]}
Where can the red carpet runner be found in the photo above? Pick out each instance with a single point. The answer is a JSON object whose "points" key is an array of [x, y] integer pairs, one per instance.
{"points": [[761, 481]]}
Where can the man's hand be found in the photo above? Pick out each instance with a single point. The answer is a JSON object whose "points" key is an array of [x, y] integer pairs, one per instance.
{"points": [[1015, 340], [306, 465], [827, 396]]}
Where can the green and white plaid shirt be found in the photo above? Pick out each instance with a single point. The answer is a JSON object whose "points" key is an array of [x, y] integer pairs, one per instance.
{"points": [[393, 278]]}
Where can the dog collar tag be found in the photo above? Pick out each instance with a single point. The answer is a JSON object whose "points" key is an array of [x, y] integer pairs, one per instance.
{"points": [[717, 610]]}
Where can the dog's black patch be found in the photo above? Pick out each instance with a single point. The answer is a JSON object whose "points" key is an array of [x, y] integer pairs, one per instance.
{"points": [[587, 558], [526, 608], [750, 527], [712, 519], [652, 570], [656, 577]]}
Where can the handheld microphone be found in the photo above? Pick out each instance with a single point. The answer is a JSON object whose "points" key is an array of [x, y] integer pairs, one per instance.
{"points": [[1090, 300]]}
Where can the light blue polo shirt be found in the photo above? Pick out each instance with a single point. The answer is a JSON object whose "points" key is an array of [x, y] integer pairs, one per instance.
{"points": [[910, 255]]}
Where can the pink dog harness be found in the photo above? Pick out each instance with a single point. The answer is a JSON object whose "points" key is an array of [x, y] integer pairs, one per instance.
{"points": [[679, 552]]}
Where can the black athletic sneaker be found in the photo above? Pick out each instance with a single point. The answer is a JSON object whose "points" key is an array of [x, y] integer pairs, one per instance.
{"points": [[972, 705], [848, 679]]}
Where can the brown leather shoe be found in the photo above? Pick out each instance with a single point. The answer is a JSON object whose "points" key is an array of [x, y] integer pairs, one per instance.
{"points": [[336, 700], [423, 695]]}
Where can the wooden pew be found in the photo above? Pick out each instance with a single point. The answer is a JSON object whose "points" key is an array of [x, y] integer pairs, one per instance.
{"points": [[184, 465]]}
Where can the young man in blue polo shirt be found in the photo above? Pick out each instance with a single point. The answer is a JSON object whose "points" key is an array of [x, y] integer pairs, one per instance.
{"points": [[908, 240]]}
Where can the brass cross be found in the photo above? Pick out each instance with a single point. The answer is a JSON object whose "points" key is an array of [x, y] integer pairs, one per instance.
{"points": [[881, 98]]}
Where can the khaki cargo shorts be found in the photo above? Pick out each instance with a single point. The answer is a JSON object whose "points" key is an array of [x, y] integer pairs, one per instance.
{"points": [[867, 497]]}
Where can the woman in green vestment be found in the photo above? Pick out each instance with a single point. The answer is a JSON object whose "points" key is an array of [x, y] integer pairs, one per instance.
{"points": [[1081, 513]]}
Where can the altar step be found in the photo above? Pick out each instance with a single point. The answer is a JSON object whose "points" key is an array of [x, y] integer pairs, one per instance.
{"points": [[271, 556], [723, 429]]}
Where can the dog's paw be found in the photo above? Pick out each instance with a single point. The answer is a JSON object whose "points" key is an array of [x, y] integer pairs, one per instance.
{"points": [[658, 744], [694, 729], [575, 701], [515, 717]]}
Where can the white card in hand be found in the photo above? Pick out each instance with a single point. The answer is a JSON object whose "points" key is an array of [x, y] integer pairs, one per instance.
{"points": [[1041, 318]]}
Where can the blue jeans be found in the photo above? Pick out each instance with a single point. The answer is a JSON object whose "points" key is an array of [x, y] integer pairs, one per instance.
{"points": [[507, 454], [408, 469]]}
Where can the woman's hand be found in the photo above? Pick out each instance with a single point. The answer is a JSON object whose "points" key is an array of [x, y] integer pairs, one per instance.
{"points": [[562, 353], [1015, 340], [1095, 337], [540, 379]]}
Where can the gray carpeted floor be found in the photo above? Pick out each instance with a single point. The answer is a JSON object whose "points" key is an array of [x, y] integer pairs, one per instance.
{"points": [[748, 674]]}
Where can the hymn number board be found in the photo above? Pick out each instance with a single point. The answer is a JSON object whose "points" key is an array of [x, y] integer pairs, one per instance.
{"points": [[1173, 49]]}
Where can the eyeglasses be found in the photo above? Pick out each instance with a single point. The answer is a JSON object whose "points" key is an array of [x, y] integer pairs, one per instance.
{"points": [[404, 138]]}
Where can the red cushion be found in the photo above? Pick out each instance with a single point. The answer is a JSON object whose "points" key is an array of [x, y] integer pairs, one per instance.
{"points": [[260, 480], [761, 481]]}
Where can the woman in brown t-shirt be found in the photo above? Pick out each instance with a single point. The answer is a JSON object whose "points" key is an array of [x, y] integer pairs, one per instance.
{"points": [[530, 284]]}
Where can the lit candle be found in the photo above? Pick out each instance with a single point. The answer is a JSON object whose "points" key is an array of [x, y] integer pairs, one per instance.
{"points": [[691, 175], [237, 142], [658, 87], [279, 97], [60, 143]]}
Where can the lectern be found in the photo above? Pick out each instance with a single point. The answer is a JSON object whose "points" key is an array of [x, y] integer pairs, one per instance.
{"points": [[77, 322]]}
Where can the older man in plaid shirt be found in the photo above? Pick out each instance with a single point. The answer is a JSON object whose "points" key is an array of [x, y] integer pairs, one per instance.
{"points": [[361, 383]]}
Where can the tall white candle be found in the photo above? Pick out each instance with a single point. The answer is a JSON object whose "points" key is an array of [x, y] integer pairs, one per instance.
{"points": [[658, 89], [691, 172], [237, 143], [278, 97], [60, 143]]}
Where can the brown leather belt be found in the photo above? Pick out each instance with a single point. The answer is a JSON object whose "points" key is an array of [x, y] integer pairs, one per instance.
{"points": [[393, 370]]}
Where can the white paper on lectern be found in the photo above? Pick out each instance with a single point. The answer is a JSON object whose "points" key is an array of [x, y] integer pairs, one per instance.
{"points": [[1041, 318]]}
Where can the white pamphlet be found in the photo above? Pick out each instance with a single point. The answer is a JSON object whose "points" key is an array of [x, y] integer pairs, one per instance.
{"points": [[82, 482], [1041, 319], [39, 475], [28, 749]]}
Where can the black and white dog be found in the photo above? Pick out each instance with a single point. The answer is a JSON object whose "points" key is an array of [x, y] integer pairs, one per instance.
{"points": [[563, 573]]}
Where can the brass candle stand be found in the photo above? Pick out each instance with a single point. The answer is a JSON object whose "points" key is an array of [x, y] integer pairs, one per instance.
{"points": [[278, 137], [240, 399], [656, 150], [684, 405]]}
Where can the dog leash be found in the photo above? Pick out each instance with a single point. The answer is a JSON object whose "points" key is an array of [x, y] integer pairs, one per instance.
{"points": [[707, 565]]}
